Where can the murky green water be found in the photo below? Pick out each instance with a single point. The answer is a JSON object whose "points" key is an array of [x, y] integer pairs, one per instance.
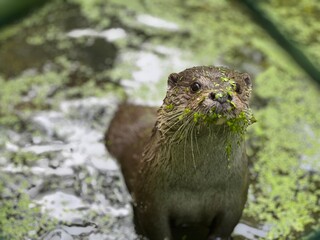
{"points": [[64, 70]]}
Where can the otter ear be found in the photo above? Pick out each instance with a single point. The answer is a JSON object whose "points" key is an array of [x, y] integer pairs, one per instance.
{"points": [[173, 79], [247, 80]]}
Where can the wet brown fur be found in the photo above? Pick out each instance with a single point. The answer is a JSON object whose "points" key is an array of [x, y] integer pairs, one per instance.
{"points": [[182, 181]]}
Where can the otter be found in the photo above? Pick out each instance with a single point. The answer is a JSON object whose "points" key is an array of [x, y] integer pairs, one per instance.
{"points": [[185, 165]]}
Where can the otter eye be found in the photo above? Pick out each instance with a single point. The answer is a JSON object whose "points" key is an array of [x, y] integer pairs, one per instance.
{"points": [[195, 86], [238, 88]]}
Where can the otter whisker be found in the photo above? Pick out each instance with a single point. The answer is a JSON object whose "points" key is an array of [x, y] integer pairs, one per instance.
{"points": [[185, 123], [173, 121], [192, 151], [186, 132], [179, 132]]}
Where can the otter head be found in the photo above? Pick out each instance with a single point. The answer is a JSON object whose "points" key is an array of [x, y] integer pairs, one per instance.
{"points": [[208, 95]]}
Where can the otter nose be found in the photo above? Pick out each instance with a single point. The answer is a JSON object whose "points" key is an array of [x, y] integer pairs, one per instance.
{"points": [[220, 97]]}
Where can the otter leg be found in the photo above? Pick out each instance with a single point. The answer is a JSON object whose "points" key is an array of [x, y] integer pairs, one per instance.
{"points": [[222, 226], [153, 224]]}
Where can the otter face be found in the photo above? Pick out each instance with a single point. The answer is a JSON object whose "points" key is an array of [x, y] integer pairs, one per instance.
{"points": [[211, 94]]}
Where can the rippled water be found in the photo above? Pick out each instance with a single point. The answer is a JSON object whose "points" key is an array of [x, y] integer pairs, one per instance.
{"points": [[73, 179]]}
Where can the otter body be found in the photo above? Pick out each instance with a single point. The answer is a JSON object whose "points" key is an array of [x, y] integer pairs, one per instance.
{"points": [[190, 180]]}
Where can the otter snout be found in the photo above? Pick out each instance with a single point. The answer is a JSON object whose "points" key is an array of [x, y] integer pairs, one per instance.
{"points": [[220, 97]]}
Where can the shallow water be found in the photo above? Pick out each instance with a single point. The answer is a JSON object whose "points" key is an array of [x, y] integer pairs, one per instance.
{"points": [[54, 152]]}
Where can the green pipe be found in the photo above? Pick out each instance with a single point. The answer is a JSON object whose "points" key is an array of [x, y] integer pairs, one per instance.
{"points": [[300, 58], [12, 10]]}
